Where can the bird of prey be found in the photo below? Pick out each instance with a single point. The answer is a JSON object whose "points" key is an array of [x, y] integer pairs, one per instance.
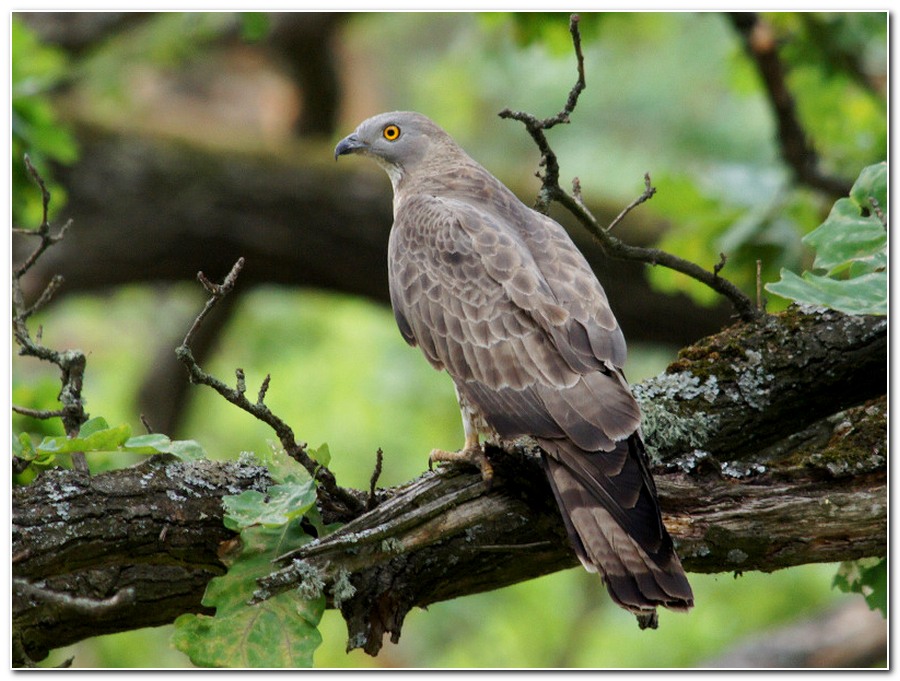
{"points": [[498, 296]]}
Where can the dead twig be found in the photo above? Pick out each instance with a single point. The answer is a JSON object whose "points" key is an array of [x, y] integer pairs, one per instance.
{"points": [[612, 247], [373, 481], [649, 191], [338, 499], [70, 362]]}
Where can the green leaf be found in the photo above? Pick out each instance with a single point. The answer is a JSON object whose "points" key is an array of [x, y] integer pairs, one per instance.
{"points": [[871, 183], [279, 632], [867, 577], [280, 504], [851, 250], [99, 439], [322, 455], [282, 467], [92, 426], [846, 237], [157, 443], [23, 447], [866, 294]]}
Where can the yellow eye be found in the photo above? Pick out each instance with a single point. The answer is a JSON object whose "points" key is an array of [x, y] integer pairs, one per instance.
{"points": [[390, 133]]}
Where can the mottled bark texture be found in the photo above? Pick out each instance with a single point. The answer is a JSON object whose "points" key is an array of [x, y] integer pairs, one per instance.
{"points": [[769, 442], [122, 550]]}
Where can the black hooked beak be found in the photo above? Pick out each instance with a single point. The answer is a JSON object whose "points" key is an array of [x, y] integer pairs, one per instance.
{"points": [[349, 145]]}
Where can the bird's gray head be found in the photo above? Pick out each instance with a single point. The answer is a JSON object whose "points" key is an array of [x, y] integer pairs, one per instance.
{"points": [[399, 141]]}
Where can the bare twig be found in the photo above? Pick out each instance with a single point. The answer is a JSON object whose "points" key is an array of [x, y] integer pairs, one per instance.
{"points": [[373, 481], [38, 413], [612, 247], [760, 300], [537, 126], [339, 499], [70, 362], [649, 191], [719, 266]]}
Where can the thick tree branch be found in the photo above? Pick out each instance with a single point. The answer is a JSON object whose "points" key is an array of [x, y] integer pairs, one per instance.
{"points": [[795, 485], [121, 550]]}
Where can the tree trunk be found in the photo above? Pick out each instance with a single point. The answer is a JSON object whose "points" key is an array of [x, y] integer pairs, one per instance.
{"points": [[769, 443]]}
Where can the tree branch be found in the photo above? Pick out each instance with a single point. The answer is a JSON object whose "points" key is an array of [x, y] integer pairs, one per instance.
{"points": [[120, 550], [796, 150], [612, 247], [71, 363], [767, 454], [338, 501]]}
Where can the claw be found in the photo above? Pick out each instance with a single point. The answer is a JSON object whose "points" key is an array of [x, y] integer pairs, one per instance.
{"points": [[473, 455]]}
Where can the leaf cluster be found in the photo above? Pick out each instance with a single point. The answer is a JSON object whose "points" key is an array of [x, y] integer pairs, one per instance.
{"points": [[248, 629], [868, 577], [36, 70], [851, 252], [96, 436]]}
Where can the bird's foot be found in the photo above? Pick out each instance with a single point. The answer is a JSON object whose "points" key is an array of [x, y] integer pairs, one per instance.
{"points": [[472, 455]]}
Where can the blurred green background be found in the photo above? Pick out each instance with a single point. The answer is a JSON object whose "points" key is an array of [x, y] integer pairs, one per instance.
{"points": [[671, 93]]}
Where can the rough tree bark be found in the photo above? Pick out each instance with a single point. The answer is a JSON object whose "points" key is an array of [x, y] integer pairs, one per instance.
{"points": [[769, 441]]}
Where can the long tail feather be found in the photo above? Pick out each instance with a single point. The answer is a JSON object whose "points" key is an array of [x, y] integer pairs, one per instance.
{"points": [[608, 502]]}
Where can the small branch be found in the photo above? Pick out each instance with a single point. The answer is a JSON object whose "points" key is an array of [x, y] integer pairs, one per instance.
{"points": [[70, 362], [59, 600], [612, 247], [649, 191], [218, 292], [38, 413], [373, 481], [337, 498], [146, 424], [615, 248], [760, 300], [719, 266], [536, 126]]}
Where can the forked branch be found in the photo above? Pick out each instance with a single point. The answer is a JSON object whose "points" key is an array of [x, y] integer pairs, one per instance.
{"points": [[71, 363], [612, 247], [334, 498]]}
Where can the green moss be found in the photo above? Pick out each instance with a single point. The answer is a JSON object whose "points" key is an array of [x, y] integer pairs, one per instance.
{"points": [[856, 445]]}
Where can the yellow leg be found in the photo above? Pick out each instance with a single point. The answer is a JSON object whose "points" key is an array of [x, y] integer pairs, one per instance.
{"points": [[472, 453]]}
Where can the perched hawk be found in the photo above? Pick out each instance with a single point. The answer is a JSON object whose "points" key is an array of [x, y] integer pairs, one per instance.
{"points": [[498, 296]]}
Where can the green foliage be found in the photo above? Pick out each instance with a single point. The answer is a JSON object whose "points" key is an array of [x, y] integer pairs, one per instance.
{"points": [[35, 71], [97, 436], [868, 577], [280, 631], [321, 455], [550, 30], [851, 252], [836, 74], [254, 25]]}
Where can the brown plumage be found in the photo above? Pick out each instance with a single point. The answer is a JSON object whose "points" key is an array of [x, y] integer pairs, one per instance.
{"points": [[497, 295]]}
